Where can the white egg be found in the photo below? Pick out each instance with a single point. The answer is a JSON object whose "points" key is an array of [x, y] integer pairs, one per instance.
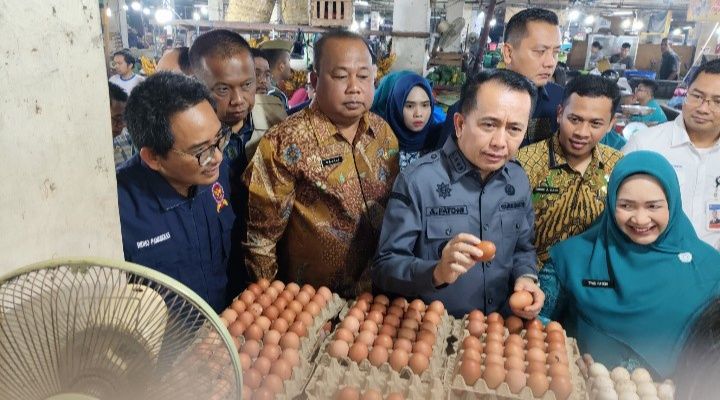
{"points": [[626, 386], [641, 375], [628, 396], [649, 398], [606, 395], [602, 382], [597, 369], [646, 389], [666, 391], [619, 374]]}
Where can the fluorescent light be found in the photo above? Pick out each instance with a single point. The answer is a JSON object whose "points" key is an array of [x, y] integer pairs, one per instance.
{"points": [[163, 16], [687, 28], [108, 12], [363, 25], [493, 22], [589, 20], [125, 7], [204, 10], [135, 5], [626, 24], [362, 3], [573, 15], [677, 31], [354, 26], [626, 12], [637, 25], [196, 16], [146, 11], [168, 29]]}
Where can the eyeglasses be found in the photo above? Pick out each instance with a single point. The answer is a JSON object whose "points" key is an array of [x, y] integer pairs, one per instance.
{"points": [[696, 100], [206, 155]]}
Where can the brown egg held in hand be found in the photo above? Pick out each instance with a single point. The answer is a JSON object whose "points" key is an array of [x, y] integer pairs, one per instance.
{"points": [[488, 249], [520, 299]]}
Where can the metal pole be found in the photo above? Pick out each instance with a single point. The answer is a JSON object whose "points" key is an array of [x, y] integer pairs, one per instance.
{"points": [[489, 15]]}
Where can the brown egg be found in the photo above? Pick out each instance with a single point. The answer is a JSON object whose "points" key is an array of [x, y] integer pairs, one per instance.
{"points": [[405, 333], [264, 300], [555, 336], [516, 380], [514, 324], [358, 352], [378, 356], [395, 396], [535, 354], [246, 392], [293, 287], [312, 308], [561, 386], [251, 348], [535, 344], [247, 297], [413, 314], [347, 393], [476, 327], [396, 311], [375, 316], [270, 351], [280, 303], [536, 367], [493, 375], [471, 342], [554, 326], [400, 302], [338, 348], [303, 298], [398, 359], [299, 328], [362, 305], [263, 283], [263, 322], [236, 329], [495, 317], [229, 314], [417, 305], [494, 359], [224, 322], [271, 337], [471, 354], [366, 296], [272, 292], [280, 325], [246, 318], [319, 300], [519, 300], [538, 383], [403, 344], [534, 333], [252, 378], [371, 394], [369, 326], [245, 361], [384, 341], [556, 346], [255, 289], [410, 324], [418, 363], [533, 323], [494, 337], [437, 307], [274, 383], [288, 315], [555, 357], [295, 306], [432, 316], [305, 318], [476, 315], [388, 330], [290, 340], [345, 335], [292, 356], [286, 295], [422, 348], [254, 332], [271, 312], [263, 393], [513, 362], [515, 339], [278, 285], [494, 347], [426, 336], [381, 299], [308, 289], [281, 368], [350, 323], [513, 350], [365, 337], [262, 365], [488, 249], [559, 370], [325, 292], [470, 371], [239, 306], [357, 313], [379, 308], [429, 326]]}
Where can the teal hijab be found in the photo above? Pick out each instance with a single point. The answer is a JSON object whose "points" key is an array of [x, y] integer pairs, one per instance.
{"points": [[382, 92], [653, 291]]}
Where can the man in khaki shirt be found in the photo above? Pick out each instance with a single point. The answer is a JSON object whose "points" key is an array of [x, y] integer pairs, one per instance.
{"points": [[320, 180]]}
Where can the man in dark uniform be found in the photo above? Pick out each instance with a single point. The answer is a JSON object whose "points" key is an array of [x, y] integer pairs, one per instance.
{"points": [[532, 44], [173, 196], [450, 199]]}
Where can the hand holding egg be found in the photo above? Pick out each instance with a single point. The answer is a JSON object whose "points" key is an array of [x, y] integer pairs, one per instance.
{"points": [[458, 256], [527, 300]]}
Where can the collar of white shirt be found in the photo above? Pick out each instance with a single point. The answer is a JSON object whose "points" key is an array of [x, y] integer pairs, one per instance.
{"points": [[680, 136]]}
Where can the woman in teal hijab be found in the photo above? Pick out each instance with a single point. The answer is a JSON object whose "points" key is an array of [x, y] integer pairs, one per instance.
{"points": [[382, 92], [630, 286]]}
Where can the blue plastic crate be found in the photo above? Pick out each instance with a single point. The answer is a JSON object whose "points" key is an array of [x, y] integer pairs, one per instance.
{"points": [[639, 74]]}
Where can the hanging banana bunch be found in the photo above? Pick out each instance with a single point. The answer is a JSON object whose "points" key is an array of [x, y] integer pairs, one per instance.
{"points": [[148, 65], [384, 65]]}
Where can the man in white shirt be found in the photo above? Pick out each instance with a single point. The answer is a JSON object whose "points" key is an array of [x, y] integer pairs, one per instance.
{"points": [[692, 145], [125, 78]]}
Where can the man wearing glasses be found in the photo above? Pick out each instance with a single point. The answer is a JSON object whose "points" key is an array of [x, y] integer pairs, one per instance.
{"points": [[692, 145], [175, 215]]}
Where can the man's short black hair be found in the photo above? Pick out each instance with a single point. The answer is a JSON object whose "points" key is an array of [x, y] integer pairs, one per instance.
{"points": [[154, 102], [258, 53], [274, 56], [117, 93], [650, 84], [336, 34], [597, 44], [710, 67], [626, 45], [126, 55], [516, 28], [220, 43], [593, 86], [184, 60], [511, 79]]}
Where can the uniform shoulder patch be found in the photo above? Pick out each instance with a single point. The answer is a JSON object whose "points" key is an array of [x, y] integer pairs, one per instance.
{"points": [[444, 190]]}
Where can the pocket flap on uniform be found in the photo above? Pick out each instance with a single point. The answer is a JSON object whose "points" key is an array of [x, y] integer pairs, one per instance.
{"points": [[513, 225], [446, 227]]}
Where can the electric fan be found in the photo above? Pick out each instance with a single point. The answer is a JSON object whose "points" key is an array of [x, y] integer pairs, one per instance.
{"points": [[101, 329]]}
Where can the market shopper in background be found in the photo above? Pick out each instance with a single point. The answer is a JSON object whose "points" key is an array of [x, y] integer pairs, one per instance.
{"points": [[568, 172], [176, 60], [644, 95], [623, 57], [122, 143], [173, 196], [670, 62], [628, 287], [692, 145], [320, 180], [442, 205], [596, 54], [277, 52], [126, 78], [532, 44], [263, 76]]}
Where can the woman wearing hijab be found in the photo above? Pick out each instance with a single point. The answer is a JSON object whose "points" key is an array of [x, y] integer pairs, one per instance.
{"points": [[629, 287], [382, 92], [408, 111]]}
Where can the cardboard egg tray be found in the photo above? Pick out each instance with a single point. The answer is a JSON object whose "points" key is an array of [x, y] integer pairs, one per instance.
{"points": [[459, 390], [332, 374], [438, 360], [662, 396]]}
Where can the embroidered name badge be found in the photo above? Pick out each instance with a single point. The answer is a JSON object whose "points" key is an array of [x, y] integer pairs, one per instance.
{"points": [[512, 205], [153, 241], [332, 161], [546, 190], [219, 195], [597, 283], [446, 210]]}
